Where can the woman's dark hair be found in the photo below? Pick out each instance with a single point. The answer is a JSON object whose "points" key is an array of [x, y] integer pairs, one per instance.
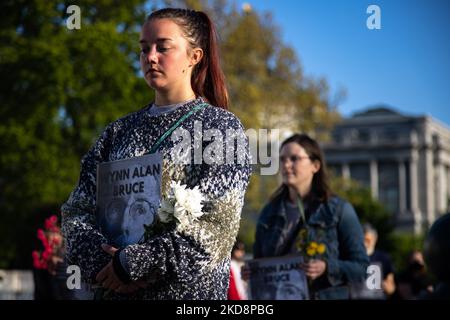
{"points": [[320, 188], [207, 80], [238, 245]]}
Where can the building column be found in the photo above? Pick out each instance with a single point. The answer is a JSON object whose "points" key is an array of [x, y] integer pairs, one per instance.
{"points": [[345, 171], [402, 187], [442, 188], [429, 187], [414, 185], [447, 196], [374, 178]]}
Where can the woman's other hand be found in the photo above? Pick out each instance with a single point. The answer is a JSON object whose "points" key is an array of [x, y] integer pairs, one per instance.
{"points": [[314, 268], [107, 277]]}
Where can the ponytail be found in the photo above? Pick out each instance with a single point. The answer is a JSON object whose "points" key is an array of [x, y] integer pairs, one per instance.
{"points": [[208, 79]]}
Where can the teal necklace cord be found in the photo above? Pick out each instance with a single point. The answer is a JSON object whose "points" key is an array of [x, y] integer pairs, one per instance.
{"points": [[301, 209], [172, 129]]}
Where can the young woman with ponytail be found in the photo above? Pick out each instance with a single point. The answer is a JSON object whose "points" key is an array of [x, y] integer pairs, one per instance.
{"points": [[180, 61]]}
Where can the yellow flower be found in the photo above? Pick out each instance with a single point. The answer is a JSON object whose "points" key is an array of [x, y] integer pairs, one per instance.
{"points": [[313, 245], [311, 250], [321, 248]]}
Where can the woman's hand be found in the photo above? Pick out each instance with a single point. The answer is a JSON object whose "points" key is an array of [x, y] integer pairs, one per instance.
{"points": [[314, 268], [109, 280], [107, 277]]}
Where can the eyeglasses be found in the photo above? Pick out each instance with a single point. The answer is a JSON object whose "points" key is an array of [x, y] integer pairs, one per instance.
{"points": [[293, 158]]}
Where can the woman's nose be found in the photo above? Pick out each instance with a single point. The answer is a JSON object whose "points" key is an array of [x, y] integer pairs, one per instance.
{"points": [[151, 56], [285, 163]]}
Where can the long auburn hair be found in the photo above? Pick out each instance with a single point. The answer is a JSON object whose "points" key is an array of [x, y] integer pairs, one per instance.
{"points": [[320, 187], [208, 80]]}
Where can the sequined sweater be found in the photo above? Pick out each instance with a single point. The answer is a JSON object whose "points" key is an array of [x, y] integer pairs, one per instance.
{"points": [[185, 262]]}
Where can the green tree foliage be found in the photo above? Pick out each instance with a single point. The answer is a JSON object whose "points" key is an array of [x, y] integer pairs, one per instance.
{"points": [[398, 244], [58, 90], [267, 86], [401, 246], [368, 209]]}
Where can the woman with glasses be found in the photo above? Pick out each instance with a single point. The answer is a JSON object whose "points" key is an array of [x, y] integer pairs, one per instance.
{"points": [[303, 216]]}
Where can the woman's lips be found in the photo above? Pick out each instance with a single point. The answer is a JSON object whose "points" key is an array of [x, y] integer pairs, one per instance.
{"points": [[153, 71], [152, 74]]}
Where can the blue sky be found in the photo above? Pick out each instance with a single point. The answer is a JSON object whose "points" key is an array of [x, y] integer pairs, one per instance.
{"points": [[405, 64]]}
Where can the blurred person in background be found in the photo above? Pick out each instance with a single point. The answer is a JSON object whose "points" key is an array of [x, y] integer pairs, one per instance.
{"points": [[437, 258], [303, 210], [414, 280], [237, 289], [381, 259]]}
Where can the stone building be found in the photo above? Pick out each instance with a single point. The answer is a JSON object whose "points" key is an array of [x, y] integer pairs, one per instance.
{"points": [[404, 160]]}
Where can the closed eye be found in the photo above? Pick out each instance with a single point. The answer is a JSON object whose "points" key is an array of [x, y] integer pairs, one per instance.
{"points": [[145, 50], [162, 49]]}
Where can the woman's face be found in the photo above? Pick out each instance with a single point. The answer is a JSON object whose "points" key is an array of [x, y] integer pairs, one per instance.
{"points": [[297, 169], [165, 59]]}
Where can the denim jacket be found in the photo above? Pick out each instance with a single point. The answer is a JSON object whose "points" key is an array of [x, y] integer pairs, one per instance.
{"points": [[338, 226]]}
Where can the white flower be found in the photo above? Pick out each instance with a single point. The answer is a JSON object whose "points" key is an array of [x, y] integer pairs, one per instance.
{"points": [[181, 203], [188, 199], [181, 214], [181, 194], [194, 205]]}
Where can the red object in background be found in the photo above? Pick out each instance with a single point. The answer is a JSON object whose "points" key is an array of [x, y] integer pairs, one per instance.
{"points": [[50, 224], [233, 292], [50, 243]]}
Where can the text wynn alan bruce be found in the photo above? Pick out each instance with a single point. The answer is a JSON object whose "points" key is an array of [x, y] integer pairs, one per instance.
{"points": [[225, 309]]}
